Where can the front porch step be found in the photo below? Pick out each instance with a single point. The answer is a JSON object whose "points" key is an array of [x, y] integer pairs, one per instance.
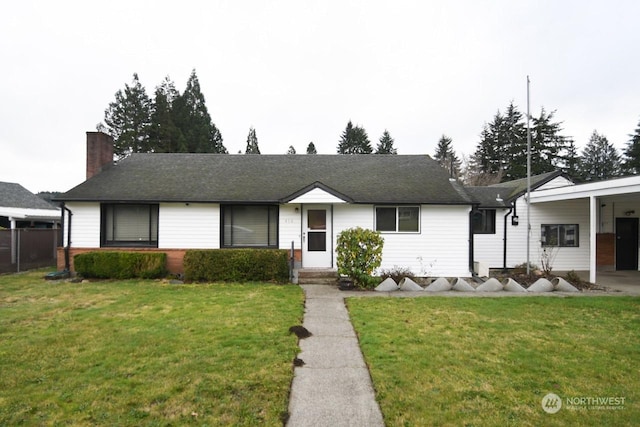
{"points": [[317, 277]]}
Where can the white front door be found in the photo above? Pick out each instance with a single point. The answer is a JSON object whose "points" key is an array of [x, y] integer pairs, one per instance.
{"points": [[316, 236]]}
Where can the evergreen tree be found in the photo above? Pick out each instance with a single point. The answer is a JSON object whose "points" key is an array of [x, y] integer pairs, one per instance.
{"points": [[385, 144], [127, 119], [354, 140], [193, 119], [513, 133], [446, 157], [311, 149], [571, 161], [491, 155], [503, 146], [252, 142], [165, 137], [632, 153], [549, 149], [600, 159], [291, 150]]}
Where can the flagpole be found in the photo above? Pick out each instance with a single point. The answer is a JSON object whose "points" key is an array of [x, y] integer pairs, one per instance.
{"points": [[528, 179]]}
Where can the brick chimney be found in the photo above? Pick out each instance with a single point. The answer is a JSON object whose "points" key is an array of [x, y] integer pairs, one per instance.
{"points": [[99, 152]]}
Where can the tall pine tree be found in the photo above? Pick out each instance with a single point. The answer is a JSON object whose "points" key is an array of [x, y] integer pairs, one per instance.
{"points": [[354, 140], [385, 144], [164, 135], [502, 149], [600, 159], [446, 157], [193, 120], [128, 120], [252, 142], [311, 148], [632, 153]]}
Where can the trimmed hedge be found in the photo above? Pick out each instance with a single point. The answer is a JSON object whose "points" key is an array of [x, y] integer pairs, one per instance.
{"points": [[121, 265], [237, 265]]}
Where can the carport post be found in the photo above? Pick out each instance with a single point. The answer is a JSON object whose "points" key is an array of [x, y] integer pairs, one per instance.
{"points": [[593, 229]]}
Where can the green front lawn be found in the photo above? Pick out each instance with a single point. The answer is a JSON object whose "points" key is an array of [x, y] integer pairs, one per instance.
{"points": [[145, 352], [490, 361]]}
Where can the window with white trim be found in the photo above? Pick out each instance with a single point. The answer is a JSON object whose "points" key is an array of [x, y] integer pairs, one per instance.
{"points": [[397, 219], [560, 235]]}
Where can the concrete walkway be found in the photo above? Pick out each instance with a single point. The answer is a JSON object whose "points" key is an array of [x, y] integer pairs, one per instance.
{"points": [[333, 387]]}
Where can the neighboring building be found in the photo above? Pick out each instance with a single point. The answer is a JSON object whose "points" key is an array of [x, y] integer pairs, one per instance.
{"points": [[29, 229], [20, 208], [174, 202]]}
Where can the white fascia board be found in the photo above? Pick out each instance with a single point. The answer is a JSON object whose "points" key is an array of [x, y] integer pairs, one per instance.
{"points": [[597, 189], [317, 195], [24, 213]]}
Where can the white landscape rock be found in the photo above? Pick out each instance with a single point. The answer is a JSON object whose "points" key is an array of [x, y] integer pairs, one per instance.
{"points": [[461, 285], [439, 285], [491, 285], [387, 285], [561, 285], [541, 285], [406, 284], [511, 285]]}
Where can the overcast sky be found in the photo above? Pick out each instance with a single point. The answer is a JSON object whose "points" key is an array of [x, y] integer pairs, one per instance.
{"points": [[298, 71]]}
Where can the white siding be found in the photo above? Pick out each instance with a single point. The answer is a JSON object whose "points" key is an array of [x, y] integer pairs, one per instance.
{"points": [[289, 226], [488, 249], [85, 225], [192, 226], [440, 249]]}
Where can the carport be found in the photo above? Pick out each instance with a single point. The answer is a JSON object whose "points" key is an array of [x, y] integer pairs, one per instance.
{"points": [[614, 215]]}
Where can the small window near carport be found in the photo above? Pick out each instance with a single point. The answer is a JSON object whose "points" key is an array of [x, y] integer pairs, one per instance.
{"points": [[484, 221]]}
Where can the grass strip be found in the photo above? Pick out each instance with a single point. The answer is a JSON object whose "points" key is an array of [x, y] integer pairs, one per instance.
{"points": [[490, 361]]}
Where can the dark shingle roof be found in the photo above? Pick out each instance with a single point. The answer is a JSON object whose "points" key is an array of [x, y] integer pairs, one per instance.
{"points": [[516, 188], [270, 179], [16, 196], [501, 195], [489, 197]]}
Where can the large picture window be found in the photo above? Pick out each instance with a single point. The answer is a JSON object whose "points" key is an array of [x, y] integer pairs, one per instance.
{"points": [[250, 226], [129, 225], [484, 221], [398, 219], [561, 235]]}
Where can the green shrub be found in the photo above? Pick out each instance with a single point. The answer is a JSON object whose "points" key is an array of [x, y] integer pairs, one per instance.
{"points": [[237, 265], [359, 253], [121, 265]]}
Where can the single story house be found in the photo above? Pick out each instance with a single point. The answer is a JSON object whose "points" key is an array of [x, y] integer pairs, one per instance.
{"points": [[431, 224], [174, 202]]}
